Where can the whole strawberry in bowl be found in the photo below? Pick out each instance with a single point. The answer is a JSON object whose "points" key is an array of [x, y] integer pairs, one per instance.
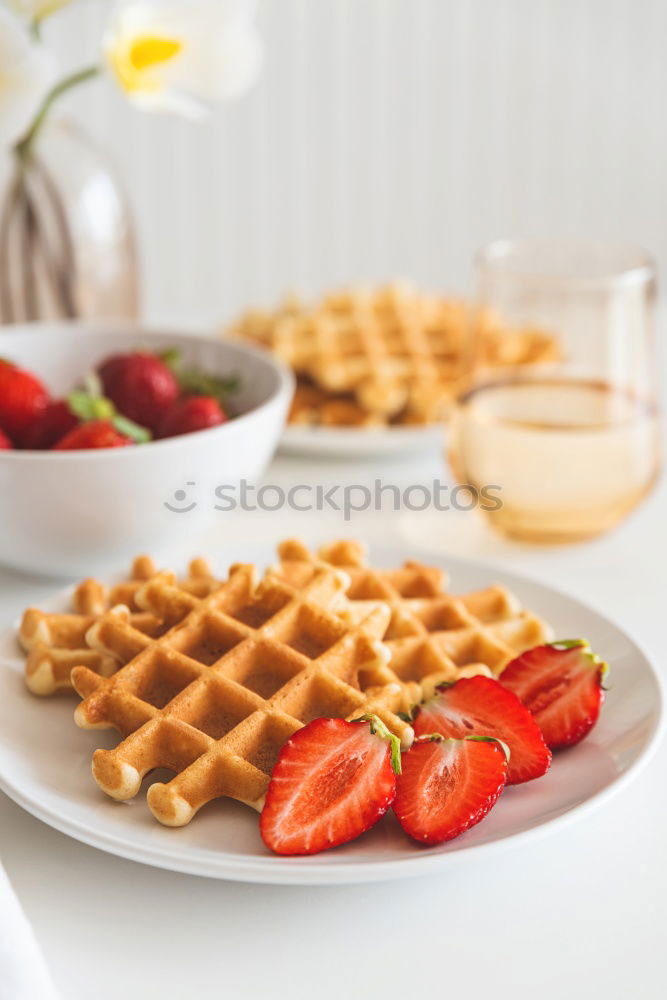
{"points": [[23, 400], [194, 413], [109, 427], [141, 385]]}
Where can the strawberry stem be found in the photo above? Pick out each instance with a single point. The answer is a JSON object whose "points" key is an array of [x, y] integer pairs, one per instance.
{"points": [[378, 728], [92, 384]]}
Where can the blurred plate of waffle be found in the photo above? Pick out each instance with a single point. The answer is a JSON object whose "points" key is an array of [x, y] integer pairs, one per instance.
{"points": [[378, 368], [346, 442], [184, 693]]}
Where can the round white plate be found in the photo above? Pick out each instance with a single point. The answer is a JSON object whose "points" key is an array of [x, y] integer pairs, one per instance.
{"points": [[360, 442], [45, 767]]}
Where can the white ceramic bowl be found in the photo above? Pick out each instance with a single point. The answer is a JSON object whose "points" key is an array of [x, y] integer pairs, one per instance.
{"points": [[68, 513]]}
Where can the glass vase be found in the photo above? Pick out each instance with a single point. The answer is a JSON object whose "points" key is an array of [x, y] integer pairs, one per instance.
{"points": [[67, 241]]}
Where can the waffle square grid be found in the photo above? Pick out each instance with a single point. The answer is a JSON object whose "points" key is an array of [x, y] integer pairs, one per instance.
{"points": [[236, 674], [55, 643]]}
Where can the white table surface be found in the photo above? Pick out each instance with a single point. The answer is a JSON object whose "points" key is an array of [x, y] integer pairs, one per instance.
{"points": [[579, 913]]}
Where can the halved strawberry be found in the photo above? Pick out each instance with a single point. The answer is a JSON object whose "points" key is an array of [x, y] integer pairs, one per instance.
{"points": [[332, 781], [561, 684], [484, 707], [447, 786]]}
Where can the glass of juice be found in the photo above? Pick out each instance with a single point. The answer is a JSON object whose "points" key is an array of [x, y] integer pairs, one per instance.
{"points": [[572, 443]]}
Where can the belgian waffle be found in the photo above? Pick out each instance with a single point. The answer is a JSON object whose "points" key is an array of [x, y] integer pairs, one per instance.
{"points": [[432, 636], [56, 642], [235, 675], [386, 355]]}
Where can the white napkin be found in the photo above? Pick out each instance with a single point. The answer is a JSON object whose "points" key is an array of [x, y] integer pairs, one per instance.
{"points": [[23, 971]]}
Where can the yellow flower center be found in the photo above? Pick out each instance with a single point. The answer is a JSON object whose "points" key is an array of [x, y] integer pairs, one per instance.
{"points": [[133, 62], [145, 52]]}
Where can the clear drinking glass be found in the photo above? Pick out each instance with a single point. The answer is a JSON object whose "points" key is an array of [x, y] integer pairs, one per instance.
{"points": [[573, 444]]}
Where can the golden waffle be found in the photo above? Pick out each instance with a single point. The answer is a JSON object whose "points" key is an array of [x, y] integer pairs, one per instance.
{"points": [[311, 405], [217, 695], [56, 642], [389, 355], [432, 636]]}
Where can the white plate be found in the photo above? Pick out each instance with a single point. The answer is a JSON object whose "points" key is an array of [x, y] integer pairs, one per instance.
{"points": [[45, 767], [360, 442]]}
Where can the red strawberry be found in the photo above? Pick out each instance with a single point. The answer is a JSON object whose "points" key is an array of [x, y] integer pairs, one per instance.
{"points": [[447, 786], [140, 385], [23, 399], [5, 443], [484, 707], [194, 413], [94, 434], [51, 425], [561, 684], [332, 781]]}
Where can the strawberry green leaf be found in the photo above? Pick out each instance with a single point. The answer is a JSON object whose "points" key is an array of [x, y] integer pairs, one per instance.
{"points": [[378, 728], [194, 382], [171, 358], [595, 660], [201, 384], [492, 739], [128, 427], [434, 737], [568, 643], [90, 407]]}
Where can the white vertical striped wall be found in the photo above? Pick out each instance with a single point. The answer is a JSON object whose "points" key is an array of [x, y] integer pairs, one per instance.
{"points": [[391, 137]]}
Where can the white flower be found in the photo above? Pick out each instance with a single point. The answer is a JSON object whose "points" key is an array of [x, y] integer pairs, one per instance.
{"points": [[181, 55], [26, 73], [38, 9]]}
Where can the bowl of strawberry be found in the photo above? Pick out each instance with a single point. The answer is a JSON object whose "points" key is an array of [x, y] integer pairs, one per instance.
{"points": [[114, 439]]}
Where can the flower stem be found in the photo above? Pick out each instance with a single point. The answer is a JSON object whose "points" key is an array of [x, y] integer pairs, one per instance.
{"points": [[24, 146]]}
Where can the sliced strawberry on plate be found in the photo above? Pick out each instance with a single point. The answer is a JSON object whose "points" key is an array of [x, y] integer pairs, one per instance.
{"points": [[562, 685], [332, 781], [447, 786], [484, 707]]}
